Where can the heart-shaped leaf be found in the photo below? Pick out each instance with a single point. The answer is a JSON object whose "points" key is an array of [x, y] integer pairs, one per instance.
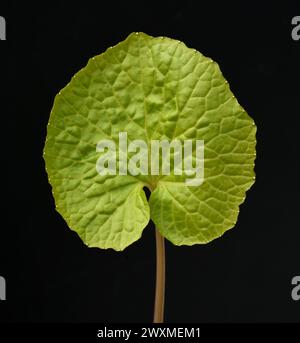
{"points": [[151, 89]]}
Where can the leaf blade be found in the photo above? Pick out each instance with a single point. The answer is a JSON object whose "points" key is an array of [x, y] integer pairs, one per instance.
{"points": [[152, 88]]}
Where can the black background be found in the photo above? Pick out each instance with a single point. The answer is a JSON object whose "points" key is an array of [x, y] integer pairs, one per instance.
{"points": [[245, 276]]}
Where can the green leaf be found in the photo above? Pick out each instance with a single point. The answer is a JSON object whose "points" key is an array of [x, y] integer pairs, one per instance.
{"points": [[153, 89]]}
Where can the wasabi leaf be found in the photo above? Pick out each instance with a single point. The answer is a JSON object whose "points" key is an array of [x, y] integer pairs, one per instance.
{"points": [[153, 89]]}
